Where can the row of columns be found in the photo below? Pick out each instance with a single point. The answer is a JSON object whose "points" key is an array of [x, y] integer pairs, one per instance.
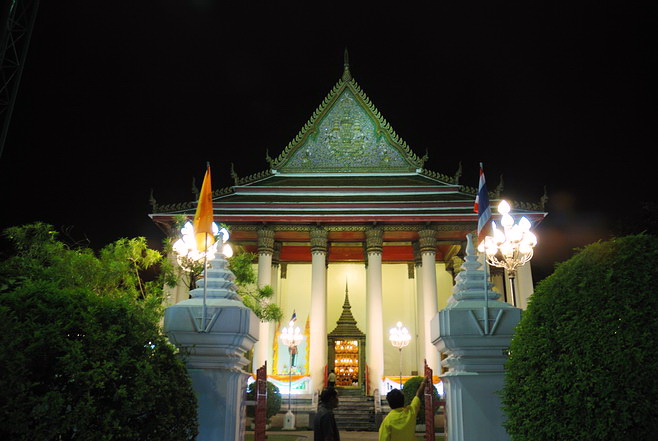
{"points": [[318, 351]]}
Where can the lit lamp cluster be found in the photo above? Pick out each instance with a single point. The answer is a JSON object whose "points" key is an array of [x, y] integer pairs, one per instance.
{"points": [[291, 336], [399, 337], [510, 247], [187, 248]]}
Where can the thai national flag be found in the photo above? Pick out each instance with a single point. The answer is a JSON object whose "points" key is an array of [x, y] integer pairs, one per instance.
{"points": [[293, 319], [482, 208]]}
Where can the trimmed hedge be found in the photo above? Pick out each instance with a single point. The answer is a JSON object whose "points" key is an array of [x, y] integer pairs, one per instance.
{"points": [[409, 390], [584, 360], [273, 400]]}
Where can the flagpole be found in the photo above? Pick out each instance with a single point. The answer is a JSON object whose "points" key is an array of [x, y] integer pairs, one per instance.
{"points": [[486, 297], [486, 286], [205, 285]]}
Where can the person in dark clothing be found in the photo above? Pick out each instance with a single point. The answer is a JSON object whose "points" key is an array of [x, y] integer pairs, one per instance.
{"points": [[324, 424]]}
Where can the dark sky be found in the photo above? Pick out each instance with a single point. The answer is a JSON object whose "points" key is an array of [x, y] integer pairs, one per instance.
{"points": [[118, 98]]}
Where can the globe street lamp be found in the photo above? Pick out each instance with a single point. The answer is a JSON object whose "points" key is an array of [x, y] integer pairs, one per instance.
{"points": [[510, 247], [291, 336], [399, 337]]}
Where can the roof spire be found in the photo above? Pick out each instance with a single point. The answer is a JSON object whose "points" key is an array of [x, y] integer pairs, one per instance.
{"points": [[347, 76], [346, 304]]}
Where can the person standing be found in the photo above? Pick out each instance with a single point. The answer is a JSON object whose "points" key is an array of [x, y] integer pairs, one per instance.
{"points": [[324, 424], [400, 423], [332, 379]]}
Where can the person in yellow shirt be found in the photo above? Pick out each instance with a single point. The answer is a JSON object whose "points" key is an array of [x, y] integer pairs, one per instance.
{"points": [[400, 423]]}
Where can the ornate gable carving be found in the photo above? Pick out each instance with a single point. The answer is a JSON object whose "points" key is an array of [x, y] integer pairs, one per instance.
{"points": [[347, 134]]}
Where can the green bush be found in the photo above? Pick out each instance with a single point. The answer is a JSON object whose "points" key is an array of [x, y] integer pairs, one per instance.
{"points": [[584, 363], [78, 366], [82, 353], [273, 400], [409, 390]]}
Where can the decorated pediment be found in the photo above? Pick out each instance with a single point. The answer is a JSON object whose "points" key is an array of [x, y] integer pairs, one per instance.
{"points": [[347, 134]]}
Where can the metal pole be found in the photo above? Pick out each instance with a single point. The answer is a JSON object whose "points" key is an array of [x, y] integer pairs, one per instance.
{"points": [[511, 284], [400, 349], [290, 378], [486, 296], [205, 285]]}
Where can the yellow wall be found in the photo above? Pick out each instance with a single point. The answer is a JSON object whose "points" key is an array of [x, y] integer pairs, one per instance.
{"points": [[399, 297], [355, 274], [295, 293], [399, 302], [444, 285]]}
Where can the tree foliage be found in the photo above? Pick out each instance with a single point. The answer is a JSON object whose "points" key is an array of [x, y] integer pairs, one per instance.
{"points": [[83, 355], [254, 298], [583, 362]]}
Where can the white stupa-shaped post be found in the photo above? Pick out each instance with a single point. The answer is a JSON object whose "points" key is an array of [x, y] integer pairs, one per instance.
{"points": [[475, 358], [215, 355]]}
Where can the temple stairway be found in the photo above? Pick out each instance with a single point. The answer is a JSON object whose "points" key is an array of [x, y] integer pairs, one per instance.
{"points": [[354, 411]]}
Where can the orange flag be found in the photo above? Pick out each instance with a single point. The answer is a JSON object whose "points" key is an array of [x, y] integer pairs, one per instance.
{"points": [[204, 215]]}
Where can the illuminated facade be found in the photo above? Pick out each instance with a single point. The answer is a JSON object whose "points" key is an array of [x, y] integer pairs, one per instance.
{"points": [[347, 201]]}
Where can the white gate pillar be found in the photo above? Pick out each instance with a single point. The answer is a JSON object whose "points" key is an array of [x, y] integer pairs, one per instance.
{"points": [[475, 360], [214, 356]]}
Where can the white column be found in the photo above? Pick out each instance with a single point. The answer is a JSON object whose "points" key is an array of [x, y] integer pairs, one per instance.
{"points": [[265, 250], [374, 308], [420, 313], [318, 314], [523, 286], [427, 240], [274, 300]]}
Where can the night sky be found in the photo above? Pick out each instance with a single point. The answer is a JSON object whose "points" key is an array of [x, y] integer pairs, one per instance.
{"points": [[118, 98]]}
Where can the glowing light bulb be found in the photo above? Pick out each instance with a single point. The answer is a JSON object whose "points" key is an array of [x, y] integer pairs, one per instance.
{"points": [[524, 224], [504, 207]]}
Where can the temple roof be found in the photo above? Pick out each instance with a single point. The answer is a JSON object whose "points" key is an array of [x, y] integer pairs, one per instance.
{"points": [[346, 165]]}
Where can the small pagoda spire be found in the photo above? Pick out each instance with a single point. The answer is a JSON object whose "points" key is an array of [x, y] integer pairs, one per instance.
{"points": [[346, 303], [347, 75]]}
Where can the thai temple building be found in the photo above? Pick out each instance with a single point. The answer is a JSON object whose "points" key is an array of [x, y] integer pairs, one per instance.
{"points": [[354, 235]]}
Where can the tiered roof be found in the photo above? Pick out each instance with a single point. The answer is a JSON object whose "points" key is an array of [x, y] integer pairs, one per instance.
{"points": [[345, 166]]}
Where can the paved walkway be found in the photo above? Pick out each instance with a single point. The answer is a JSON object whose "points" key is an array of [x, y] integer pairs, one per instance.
{"points": [[344, 436]]}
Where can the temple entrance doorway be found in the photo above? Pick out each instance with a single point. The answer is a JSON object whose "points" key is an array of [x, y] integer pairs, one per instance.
{"points": [[346, 363], [347, 351]]}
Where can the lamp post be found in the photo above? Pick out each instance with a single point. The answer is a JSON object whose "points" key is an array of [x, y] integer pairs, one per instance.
{"points": [[399, 337], [291, 336], [510, 247]]}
